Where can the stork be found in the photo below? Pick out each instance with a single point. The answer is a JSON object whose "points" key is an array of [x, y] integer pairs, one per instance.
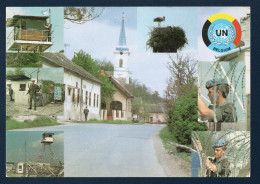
{"points": [[159, 20]]}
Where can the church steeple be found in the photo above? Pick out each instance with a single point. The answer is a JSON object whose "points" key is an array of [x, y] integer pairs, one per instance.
{"points": [[122, 38], [121, 70]]}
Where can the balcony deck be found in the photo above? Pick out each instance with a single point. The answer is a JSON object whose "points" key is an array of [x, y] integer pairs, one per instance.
{"points": [[25, 45]]}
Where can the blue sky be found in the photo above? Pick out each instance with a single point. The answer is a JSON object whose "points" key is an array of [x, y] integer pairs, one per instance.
{"points": [[99, 38], [57, 22], [185, 17], [15, 145]]}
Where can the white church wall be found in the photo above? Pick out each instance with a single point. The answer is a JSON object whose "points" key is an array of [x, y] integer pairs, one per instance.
{"points": [[121, 72]]}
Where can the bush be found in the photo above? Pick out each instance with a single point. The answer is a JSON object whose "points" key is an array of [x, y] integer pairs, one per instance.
{"points": [[167, 39], [184, 118]]}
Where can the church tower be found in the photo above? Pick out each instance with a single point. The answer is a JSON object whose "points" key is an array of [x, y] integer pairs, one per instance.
{"points": [[121, 57]]}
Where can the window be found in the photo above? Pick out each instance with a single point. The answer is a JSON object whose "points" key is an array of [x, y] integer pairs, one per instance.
{"points": [[116, 105], [121, 63], [76, 84], [97, 100], [89, 99], [22, 87], [94, 103], [86, 98], [78, 97], [73, 95], [69, 91]]}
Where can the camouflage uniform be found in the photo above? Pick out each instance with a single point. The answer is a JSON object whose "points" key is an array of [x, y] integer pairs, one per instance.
{"points": [[11, 92], [222, 164], [86, 111], [222, 168], [34, 88], [226, 112]]}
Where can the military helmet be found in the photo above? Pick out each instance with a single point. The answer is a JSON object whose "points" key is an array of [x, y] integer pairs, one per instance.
{"points": [[215, 82], [219, 144]]}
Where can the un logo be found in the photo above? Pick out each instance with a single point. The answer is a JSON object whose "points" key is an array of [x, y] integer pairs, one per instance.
{"points": [[221, 32]]}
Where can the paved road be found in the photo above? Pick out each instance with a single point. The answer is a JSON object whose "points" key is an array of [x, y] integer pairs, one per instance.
{"points": [[105, 150]]}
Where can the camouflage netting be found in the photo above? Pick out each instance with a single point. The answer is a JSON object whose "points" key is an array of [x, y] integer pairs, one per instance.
{"points": [[167, 39]]}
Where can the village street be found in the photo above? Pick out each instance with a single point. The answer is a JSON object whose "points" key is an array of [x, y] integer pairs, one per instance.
{"points": [[107, 150]]}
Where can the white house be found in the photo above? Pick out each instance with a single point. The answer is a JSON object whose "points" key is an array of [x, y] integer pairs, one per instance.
{"points": [[158, 113], [20, 85], [82, 90]]}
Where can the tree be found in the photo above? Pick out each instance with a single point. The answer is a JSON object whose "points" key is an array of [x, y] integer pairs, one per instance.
{"points": [[182, 81], [140, 90], [106, 65], [85, 61], [81, 15], [23, 60], [184, 118], [142, 109], [17, 71]]}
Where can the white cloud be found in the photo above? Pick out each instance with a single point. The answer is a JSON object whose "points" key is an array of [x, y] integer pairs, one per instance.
{"points": [[59, 138], [36, 143]]}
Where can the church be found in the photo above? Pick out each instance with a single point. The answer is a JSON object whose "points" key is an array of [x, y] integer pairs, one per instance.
{"points": [[119, 107]]}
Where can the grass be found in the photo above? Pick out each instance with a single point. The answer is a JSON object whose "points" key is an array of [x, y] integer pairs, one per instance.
{"points": [[118, 122], [167, 136], [37, 122]]}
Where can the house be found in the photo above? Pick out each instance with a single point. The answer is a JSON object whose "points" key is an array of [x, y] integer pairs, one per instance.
{"points": [[242, 53], [30, 33], [119, 107], [82, 90], [20, 85], [158, 113]]}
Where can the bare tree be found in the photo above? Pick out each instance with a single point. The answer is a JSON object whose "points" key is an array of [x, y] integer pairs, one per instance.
{"points": [[182, 80], [81, 15]]}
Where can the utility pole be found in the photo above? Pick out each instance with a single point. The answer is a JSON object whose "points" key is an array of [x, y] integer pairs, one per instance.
{"points": [[25, 151], [38, 74]]}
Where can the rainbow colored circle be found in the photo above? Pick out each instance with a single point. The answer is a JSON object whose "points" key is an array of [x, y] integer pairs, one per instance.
{"points": [[224, 19]]}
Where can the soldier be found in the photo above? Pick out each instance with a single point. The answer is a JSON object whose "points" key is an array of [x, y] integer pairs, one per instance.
{"points": [[11, 92], [217, 166], [218, 90], [86, 111], [33, 89]]}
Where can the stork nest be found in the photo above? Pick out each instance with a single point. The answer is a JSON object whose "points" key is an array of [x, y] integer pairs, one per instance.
{"points": [[167, 39]]}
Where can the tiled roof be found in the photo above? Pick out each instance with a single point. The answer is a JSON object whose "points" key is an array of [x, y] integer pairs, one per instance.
{"points": [[60, 60], [157, 108], [121, 87]]}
